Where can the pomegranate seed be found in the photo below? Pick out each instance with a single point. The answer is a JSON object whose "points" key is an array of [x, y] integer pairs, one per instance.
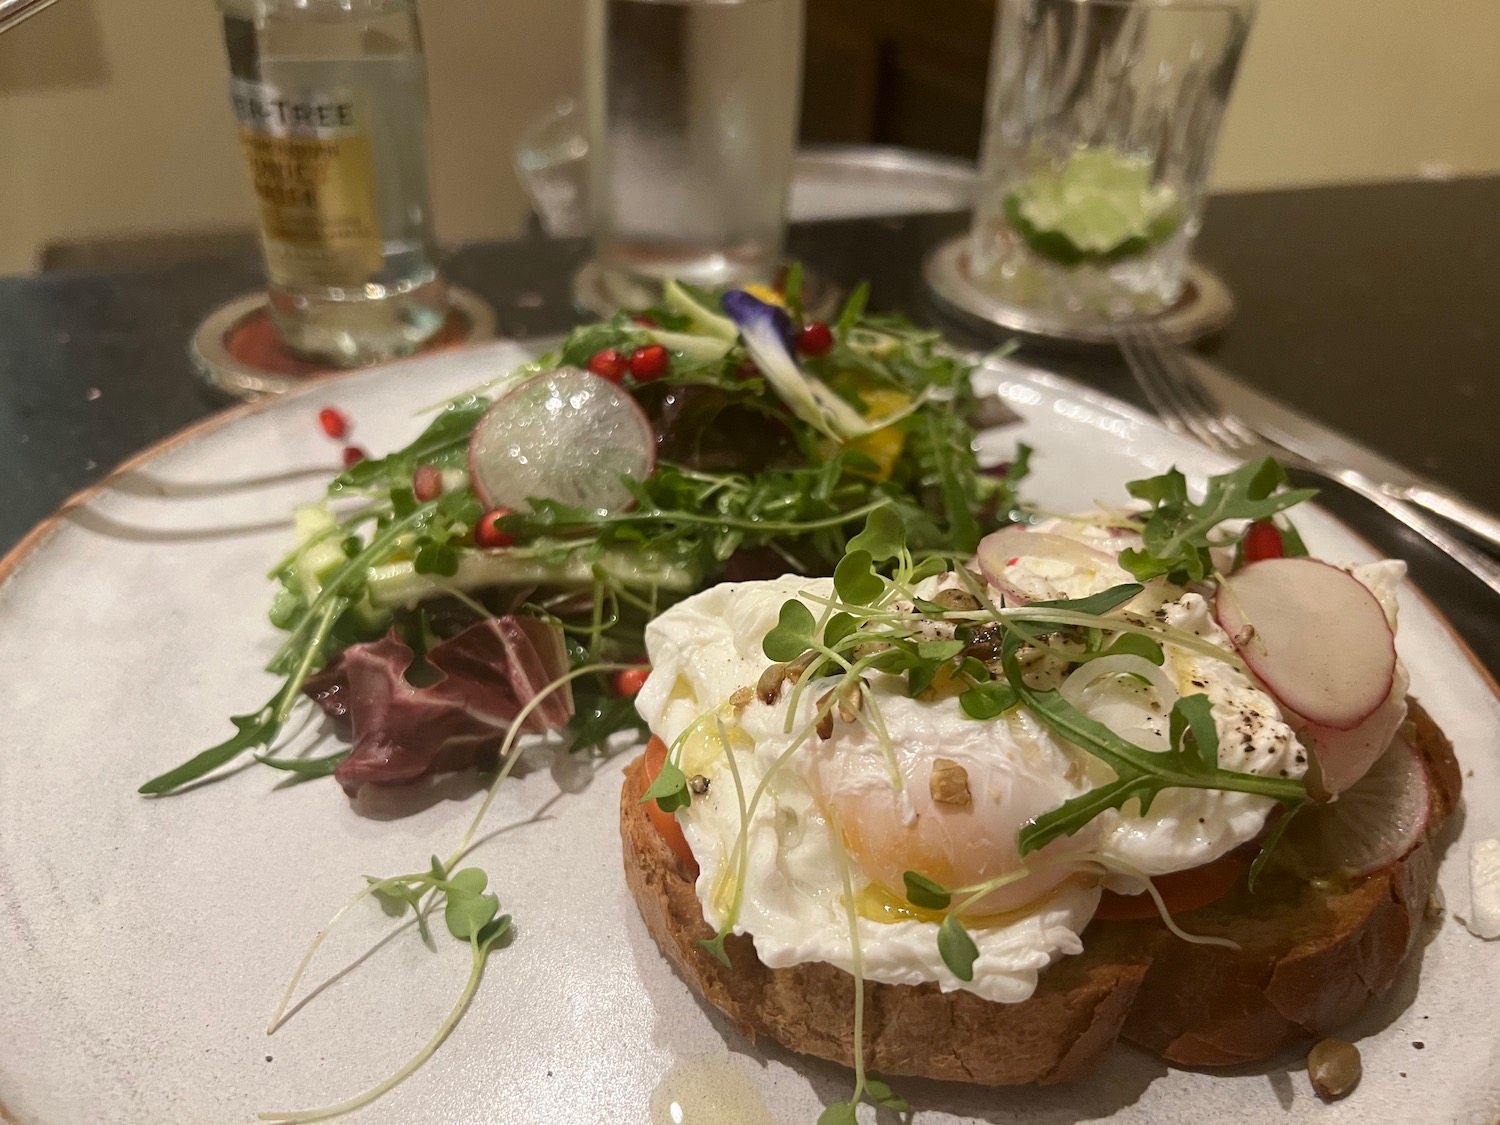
{"points": [[749, 371], [427, 483], [1262, 541], [649, 362], [629, 681], [645, 321], [334, 424], [489, 533], [609, 364], [816, 338], [353, 455]]}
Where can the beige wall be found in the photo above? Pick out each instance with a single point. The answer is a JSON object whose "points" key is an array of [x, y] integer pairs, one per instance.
{"points": [[114, 120], [1365, 89]]}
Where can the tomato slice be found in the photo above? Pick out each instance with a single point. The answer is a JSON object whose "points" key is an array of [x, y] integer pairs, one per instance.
{"points": [[665, 823], [1181, 891]]}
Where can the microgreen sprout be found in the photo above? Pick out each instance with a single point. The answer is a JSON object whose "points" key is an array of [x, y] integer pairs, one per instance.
{"points": [[470, 912], [865, 1085], [956, 945]]}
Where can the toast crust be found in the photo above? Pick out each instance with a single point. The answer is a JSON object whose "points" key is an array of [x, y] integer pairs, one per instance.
{"points": [[1309, 959]]}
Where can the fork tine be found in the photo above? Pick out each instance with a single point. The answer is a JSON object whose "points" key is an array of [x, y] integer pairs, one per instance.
{"points": [[1165, 393], [1158, 393], [1229, 434]]}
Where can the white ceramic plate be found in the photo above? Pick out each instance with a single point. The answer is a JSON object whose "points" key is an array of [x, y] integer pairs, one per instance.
{"points": [[145, 943]]}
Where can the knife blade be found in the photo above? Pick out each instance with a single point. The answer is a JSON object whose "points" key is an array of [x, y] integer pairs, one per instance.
{"points": [[1328, 448]]}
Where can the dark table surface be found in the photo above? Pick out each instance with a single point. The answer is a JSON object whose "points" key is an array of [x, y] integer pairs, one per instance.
{"points": [[1374, 308]]}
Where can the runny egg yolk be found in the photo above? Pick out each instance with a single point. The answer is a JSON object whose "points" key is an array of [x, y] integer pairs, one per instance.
{"points": [[935, 829]]}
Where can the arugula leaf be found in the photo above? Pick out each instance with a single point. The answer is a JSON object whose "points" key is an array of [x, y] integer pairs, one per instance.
{"points": [[1192, 723], [1291, 539], [1130, 644], [853, 308], [597, 715], [988, 701], [955, 481], [444, 442], [791, 291], [1289, 810], [306, 767], [1098, 604], [1178, 533], [1140, 773]]}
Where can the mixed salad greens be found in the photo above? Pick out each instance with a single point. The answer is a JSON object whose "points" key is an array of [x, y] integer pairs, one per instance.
{"points": [[423, 614]]}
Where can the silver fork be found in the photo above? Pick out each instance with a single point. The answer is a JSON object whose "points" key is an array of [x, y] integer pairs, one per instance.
{"points": [[1187, 407]]}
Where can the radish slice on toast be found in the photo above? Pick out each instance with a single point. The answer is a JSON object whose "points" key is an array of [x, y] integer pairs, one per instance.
{"points": [[1343, 756], [1314, 635], [566, 435], [1372, 824]]}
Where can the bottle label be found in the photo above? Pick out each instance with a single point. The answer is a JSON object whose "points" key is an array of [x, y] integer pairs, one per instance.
{"points": [[313, 173]]}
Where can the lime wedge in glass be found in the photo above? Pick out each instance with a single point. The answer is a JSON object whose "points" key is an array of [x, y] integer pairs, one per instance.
{"points": [[1100, 207]]}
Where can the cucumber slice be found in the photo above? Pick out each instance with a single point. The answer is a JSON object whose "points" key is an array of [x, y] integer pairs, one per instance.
{"points": [[315, 564], [564, 435]]}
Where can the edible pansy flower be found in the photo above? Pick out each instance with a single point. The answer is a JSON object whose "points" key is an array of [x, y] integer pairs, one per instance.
{"points": [[770, 340]]}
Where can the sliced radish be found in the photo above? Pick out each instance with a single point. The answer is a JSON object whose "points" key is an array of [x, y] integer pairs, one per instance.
{"points": [[1031, 566], [568, 436], [1314, 635], [1371, 825], [1343, 756]]}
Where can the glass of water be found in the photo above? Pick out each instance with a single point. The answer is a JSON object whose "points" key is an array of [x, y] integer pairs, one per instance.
{"points": [[692, 110], [1101, 123]]}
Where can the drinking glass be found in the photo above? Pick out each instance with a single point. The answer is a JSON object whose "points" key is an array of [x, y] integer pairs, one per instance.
{"points": [[1100, 128], [692, 110], [551, 160], [331, 101]]}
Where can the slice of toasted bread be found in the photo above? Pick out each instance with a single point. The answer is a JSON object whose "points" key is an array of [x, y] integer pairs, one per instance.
{"points": [[1309, 958]]}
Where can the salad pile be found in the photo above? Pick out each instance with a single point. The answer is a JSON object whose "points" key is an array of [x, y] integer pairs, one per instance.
{"points": [[538, 523]]}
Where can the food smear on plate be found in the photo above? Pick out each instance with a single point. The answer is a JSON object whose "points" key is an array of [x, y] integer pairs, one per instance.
{"points": [[977, 817]]}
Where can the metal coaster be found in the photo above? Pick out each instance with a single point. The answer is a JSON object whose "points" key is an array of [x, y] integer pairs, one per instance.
{"points": [[1206, 305], [236, 349]]}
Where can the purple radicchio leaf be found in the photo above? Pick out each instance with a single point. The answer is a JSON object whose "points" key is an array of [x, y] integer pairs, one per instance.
{"points": [[486, 675]]}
